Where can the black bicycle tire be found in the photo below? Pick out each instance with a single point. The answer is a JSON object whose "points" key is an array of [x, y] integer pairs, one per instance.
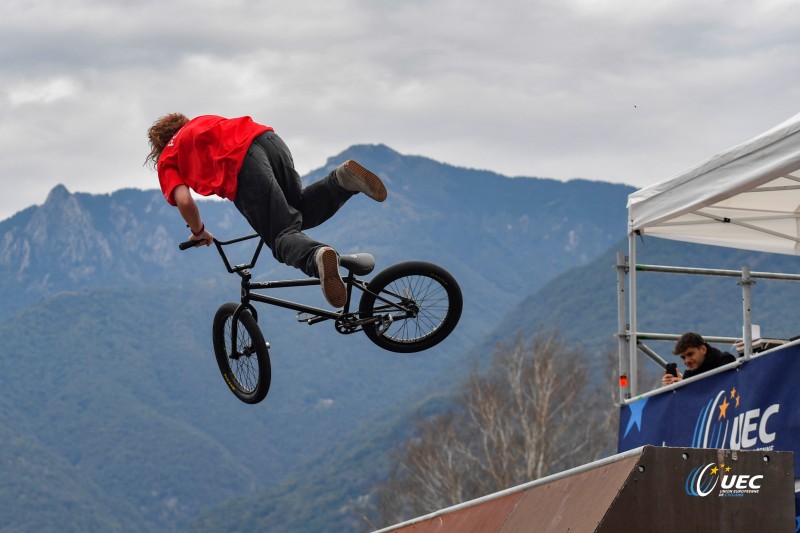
{"points": [[411, 270], [247, 392]]}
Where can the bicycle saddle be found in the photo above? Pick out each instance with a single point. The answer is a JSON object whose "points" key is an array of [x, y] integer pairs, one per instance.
{"points": [[358, 264]]}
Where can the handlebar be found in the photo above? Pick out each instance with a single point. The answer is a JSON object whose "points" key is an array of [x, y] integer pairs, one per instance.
{"points": [[189, 244], [219, 244]]}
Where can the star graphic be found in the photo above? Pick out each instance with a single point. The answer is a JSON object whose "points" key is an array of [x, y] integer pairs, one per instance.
{"points": [[722, 408], [737, 401], [636, 415], [728, 469], [714, 470], [733, 392]]}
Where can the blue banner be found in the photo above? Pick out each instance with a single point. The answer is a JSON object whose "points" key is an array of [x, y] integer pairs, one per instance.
{"points": [[755, 406]]}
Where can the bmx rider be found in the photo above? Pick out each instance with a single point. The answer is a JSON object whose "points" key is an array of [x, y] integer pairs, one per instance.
{"points": [[249, 164]]}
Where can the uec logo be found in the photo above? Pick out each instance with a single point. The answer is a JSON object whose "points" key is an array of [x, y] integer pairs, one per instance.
{"points": [[719, 425], [702, 481]]}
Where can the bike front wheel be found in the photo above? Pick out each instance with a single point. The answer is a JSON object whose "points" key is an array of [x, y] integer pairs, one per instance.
{"points": [[246, 370], [410, 307]]}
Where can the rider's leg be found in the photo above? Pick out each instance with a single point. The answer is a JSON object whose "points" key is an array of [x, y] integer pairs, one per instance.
{"points": [[316, 203], [323, 198], [262, 202]]}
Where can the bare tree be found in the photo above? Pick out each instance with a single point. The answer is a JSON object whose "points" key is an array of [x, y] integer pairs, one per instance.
{"points": [[532, 412]]}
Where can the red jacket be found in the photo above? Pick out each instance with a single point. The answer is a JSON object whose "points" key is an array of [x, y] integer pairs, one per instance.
{"points": [[206, 155]]}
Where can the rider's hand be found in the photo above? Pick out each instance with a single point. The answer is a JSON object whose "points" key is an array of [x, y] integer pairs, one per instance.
{"points": [[205, 236]]}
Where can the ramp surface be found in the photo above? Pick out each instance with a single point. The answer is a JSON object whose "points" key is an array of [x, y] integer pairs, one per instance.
{"points": [[650, 489]]}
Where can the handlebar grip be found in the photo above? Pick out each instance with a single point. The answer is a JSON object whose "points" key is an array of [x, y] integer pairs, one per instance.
{"points": [[188, 244]]}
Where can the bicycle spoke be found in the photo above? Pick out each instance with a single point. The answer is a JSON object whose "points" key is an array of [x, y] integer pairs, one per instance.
{"points": [[430, 300], [244, 363]]}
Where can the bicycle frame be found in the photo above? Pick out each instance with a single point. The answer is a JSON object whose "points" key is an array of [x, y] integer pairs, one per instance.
{"points": [[405, 308], [316, 314]]}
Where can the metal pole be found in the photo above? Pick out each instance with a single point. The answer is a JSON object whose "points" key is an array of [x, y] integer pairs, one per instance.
{"points": [[716, 272], [746, 284], [633, 369], [622, 327], [652, 354], [644, 335]]}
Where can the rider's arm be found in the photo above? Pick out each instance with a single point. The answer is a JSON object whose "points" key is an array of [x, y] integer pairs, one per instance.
{"points": [[191, 214]]}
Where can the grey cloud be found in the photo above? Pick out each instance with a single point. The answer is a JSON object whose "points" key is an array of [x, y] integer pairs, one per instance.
{"points": [[624, 91]]}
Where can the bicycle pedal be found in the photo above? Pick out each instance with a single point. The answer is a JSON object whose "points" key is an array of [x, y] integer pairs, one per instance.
{"points": [[384, 324], [306, 317]]}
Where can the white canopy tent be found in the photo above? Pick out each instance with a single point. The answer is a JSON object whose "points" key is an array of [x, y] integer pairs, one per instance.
{"points": [[747, 197]]}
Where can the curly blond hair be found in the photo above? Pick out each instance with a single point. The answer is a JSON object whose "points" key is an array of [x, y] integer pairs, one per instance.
{"points": [[161, 132]]}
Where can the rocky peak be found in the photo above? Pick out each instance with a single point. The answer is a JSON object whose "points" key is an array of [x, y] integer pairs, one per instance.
{"points": [[59, 213], [58, 194], [61, 231]]}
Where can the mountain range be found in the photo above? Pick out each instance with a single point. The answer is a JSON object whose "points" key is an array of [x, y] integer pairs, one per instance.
{"points": [[580, 305], [114, 416]]}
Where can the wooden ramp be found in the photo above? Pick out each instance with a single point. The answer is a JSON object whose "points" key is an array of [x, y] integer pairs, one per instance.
{"points": [[649, 489]]}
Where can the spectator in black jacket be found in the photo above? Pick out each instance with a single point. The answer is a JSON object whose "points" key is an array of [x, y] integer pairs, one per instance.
{"points": [[698, 356]]}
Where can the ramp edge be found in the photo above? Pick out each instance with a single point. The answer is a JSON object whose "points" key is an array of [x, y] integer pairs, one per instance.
{"points": [[519, 488]]}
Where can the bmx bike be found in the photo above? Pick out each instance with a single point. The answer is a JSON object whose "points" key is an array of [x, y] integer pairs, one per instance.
{"points": [[409, 307]]}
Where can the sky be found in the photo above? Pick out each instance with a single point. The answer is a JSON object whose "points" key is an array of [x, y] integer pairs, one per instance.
{"points": [[623, 91]]}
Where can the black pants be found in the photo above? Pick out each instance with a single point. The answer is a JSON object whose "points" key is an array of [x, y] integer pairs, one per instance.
{"points": [[271, 197]]}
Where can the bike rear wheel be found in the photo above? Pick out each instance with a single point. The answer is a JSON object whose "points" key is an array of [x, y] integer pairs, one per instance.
{"points": [[419, 305], [247, 371]]}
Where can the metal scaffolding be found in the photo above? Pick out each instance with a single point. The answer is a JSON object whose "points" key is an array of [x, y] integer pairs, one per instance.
{"points": [[631, 340]]}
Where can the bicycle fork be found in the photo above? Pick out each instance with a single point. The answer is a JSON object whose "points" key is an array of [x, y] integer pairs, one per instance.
{"points": [[243, 306]]}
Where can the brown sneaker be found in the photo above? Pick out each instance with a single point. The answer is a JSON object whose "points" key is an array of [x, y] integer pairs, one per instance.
{"points": [[333, 287], [355, 178]]}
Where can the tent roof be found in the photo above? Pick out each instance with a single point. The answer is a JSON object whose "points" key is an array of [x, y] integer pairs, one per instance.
{"points": [[747, 197]]}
